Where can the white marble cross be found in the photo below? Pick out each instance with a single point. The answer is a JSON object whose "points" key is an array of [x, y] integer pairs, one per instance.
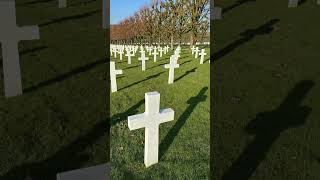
{"points": [[10, 35], [202, 54], [129, 56], [293, 3], [150, 120], [197, 52], [113, 76], [192, 50], [160, 50], [155, 55], [143, 59], [62, 3], [120, 54], [173, 64], [115, 53]]}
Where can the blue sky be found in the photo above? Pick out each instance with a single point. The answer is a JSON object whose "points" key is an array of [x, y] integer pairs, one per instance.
{"points": [[120, 9]]}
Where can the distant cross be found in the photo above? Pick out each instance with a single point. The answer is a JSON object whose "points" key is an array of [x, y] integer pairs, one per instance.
{"points": [[143, 59], [120, 54], [113, 76], [62, 3], [192, 50], [151, 120], [10, 35], [111, 51], [160, 50], [173, 64], [150, 50], [115, 53], [202, 54], [129, 56], [293, 3], [155, 55], [197, 52]]}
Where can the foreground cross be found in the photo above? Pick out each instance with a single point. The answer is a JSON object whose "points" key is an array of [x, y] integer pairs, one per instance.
{"points": [[113, 76], [202, 54], [10, 35], [173, 64], [150, 120], [143, 59]]}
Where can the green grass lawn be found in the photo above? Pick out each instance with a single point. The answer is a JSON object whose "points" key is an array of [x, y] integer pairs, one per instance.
{"points": [[184, 143], [266, 91], [59, 123]]}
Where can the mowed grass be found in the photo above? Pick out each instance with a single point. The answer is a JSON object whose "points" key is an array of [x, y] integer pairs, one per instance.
{"points": [[184, 143], [59, 123], [266, 91]]}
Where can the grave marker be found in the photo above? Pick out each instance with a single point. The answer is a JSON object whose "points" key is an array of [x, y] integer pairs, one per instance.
{"points": [[202, 54], [150, 120], [129, 56], [62, 3], [143, 59], [155, 55], [10, 35], [113, 76], [171, 68]]}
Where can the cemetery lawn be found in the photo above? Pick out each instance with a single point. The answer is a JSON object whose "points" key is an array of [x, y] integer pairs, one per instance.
{"points": [[59, 123], [184, 142], [266, 91]]}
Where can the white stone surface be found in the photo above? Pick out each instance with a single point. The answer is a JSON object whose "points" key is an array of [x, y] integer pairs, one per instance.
{"points": [[143, 60], [129, 55], [113, 76], [62, 3], [10, 35], [202, 54], [155, 53], [196, 52], [171, 68], [99, 172], [150, 120]]}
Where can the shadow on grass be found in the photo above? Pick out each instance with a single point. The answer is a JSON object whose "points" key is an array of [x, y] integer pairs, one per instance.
{"points": [[130, 67], [81, 3], [69, 157], [185, 62], [145, 79], [69, 18], [65, 76], [246, 37], [27, 51], [301, 2], [237, 4], [186, 74], [123, 116], [157, 65], [33, 2], [267, 127], [193, 102]]}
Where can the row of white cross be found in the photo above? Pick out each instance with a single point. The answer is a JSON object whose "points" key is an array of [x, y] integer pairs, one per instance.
{"points": [[131, 51]]}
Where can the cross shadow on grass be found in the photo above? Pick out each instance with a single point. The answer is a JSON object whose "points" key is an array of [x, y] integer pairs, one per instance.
{"points": [[267, 127], [123, 116], [69, 157], [246, 36], [193, 102], [186, 74], [185, 62], [69, 18], [81, 3], [66, 76], [157, 65], [27, 51], [130, 67], [235, 5], [33, 2], [145, 79]]}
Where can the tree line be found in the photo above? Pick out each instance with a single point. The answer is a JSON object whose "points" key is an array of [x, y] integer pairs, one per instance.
{"points": [[165, 21]]}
